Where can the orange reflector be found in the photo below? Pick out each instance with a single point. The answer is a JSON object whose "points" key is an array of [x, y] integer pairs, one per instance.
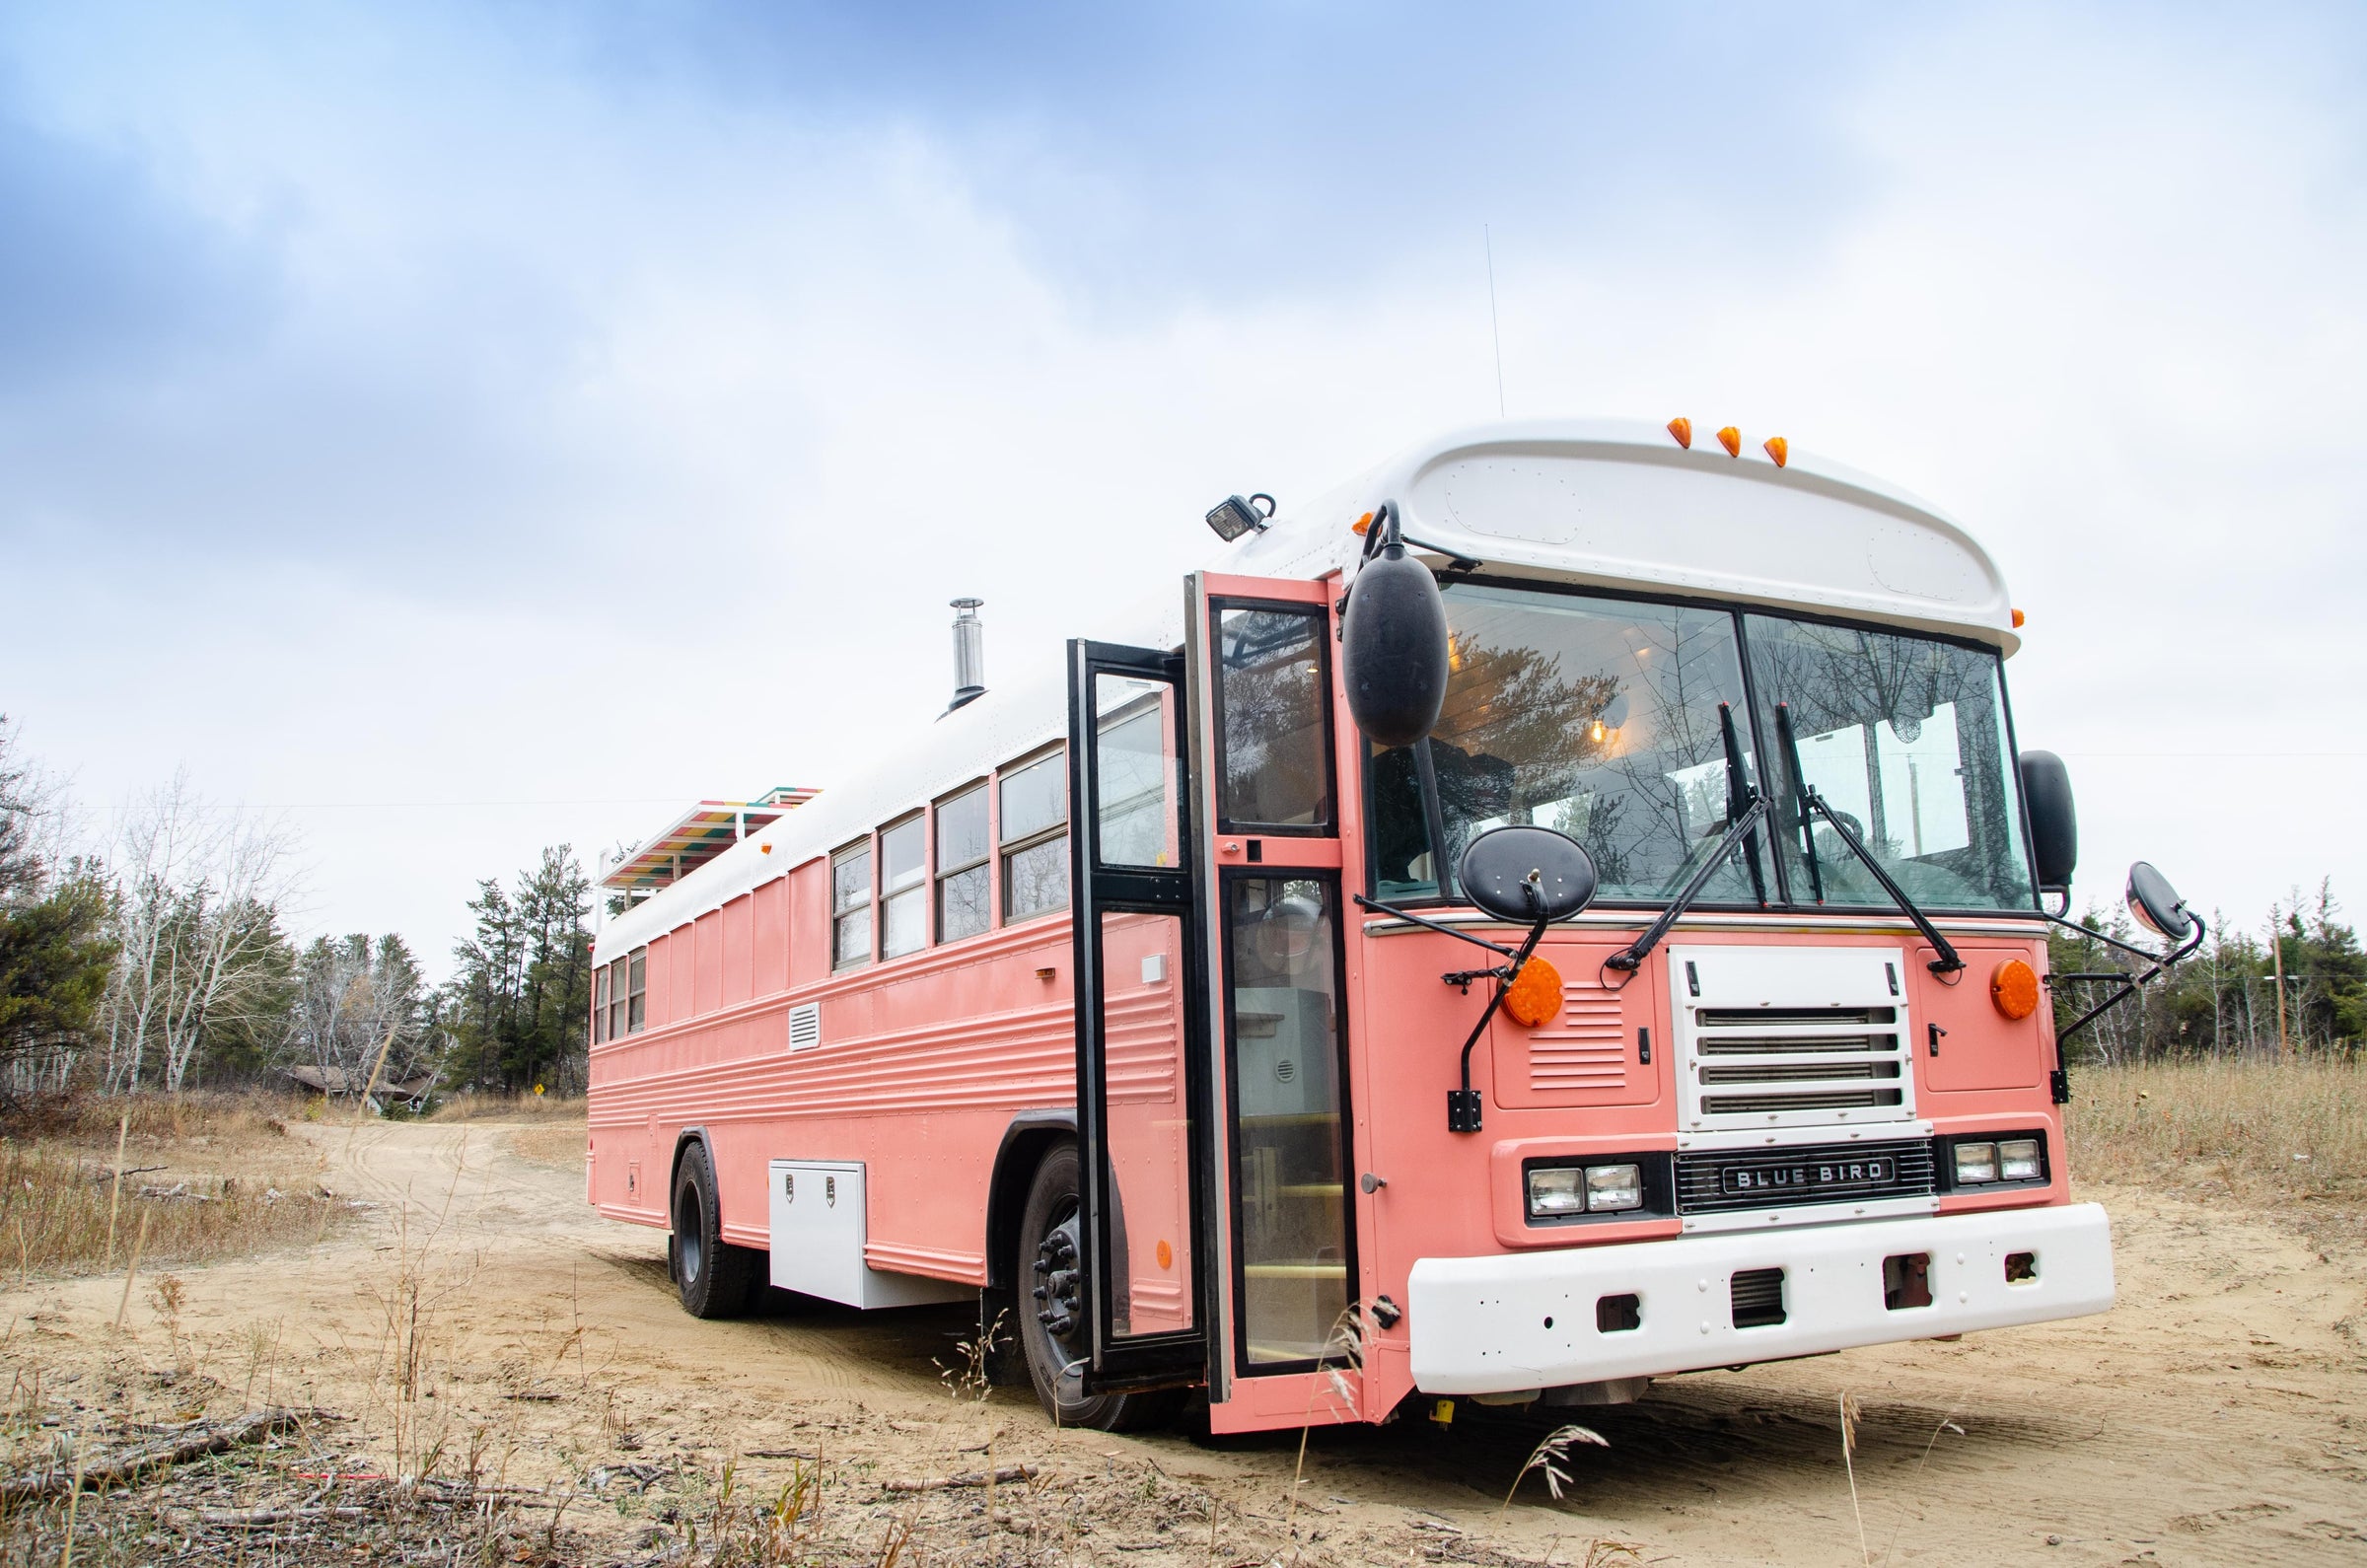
{"points": [[1778, 449], [1682, 429], [1535, 996], [2014, 987], [1732, 440], [764, 849], [1361, 524], [1167, 1256], [2017, 620]]}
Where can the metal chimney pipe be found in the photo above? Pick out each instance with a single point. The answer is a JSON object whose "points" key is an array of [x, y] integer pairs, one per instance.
{"points": [[969, 652]]}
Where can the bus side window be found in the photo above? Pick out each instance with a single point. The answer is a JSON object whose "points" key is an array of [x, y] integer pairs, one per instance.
{"points": [[850, 906], [904, 888], [1035, 801], [962, 850], [635, 1017], [617, 999], [600, 1004]]}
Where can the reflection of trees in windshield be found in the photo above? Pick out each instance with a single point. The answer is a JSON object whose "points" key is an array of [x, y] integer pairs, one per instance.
{"points": [[1597, 717], [1272, 701], [1903, 738], [1689, 667]]}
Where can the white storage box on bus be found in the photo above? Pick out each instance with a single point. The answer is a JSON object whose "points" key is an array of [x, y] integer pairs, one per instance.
{"points": [[819, 1231]]}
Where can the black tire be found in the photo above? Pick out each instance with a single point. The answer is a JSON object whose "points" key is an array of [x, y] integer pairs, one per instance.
{"points": [[715, 1278], [1053, 1300]]}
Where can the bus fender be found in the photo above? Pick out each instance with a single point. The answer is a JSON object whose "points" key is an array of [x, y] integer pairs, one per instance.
{"points": [[682, 1140], [1025, 1140]]}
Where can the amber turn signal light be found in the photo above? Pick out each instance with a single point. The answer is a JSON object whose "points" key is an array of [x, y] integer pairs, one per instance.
{"points": [[2017, 620], [1535, 996], [1778, 449], [1682, 429], [2014, 987], [1732, 440], [1361, 524]]}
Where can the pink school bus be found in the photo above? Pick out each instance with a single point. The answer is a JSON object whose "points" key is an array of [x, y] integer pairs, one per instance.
{"points": [[1561, 910]]}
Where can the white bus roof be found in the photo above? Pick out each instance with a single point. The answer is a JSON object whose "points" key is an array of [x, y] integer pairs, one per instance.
{"points": [[1619, 504], [1607, 504]]}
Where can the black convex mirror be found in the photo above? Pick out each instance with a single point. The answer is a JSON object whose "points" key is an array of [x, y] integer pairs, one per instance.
{"points": [[1393, 642], [2053, 824], [2156, 904], [1524, 874]]}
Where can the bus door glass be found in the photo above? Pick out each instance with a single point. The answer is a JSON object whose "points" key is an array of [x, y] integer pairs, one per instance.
{"points": [[1264, 648], [1139, 1005]]}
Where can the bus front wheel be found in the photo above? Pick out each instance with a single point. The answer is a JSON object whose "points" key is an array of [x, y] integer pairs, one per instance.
{"points": [[715, 1278], [1054, 1295]]}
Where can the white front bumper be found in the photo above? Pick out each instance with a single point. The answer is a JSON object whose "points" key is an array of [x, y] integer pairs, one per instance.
{"points": [[1527, 1320]]}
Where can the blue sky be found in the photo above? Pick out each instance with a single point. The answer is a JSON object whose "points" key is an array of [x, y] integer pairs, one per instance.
{"points": [[471, 427]]}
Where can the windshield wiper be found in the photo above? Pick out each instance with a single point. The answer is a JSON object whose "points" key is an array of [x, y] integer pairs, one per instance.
{"points": [[1808, 838], [1740, 828], [1740, 792], [1812, 800]]}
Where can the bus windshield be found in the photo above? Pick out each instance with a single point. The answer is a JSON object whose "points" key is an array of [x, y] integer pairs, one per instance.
{"points": [[1600, 717]]}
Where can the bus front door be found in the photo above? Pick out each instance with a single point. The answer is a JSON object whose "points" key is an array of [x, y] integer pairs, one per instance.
{"points": [[1141, 1036], [1265, 769]]}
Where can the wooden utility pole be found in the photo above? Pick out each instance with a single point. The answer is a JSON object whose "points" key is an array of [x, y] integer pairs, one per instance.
{"points": [[2277, 945]]}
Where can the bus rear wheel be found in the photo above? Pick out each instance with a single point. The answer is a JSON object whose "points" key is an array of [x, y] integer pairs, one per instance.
{"points": [[1054, 1295], [715, 1278]]}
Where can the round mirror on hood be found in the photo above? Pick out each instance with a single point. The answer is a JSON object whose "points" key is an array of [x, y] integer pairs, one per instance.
{"points": [[2157, 905], [1522, 873]]}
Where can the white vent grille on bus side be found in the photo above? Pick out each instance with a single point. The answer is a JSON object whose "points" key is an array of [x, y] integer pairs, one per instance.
{"points": [[805, 1026], [1792, 1036]]}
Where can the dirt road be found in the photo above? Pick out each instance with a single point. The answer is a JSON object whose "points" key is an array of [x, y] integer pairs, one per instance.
{"points": [[479, 1311]]}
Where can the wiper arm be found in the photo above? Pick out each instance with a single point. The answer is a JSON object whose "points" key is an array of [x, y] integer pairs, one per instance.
{"points": [[1634, 955], [1808, 837], [1812, 800], [1740, 792]]}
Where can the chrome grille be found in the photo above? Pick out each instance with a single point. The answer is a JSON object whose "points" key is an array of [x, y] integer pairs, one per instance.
{"points": [[1788, 1065]]}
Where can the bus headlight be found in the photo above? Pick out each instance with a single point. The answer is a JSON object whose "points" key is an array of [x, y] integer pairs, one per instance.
{"points": [[2018, 1159], [1975, 1161], [1557, 1189], [1615, 1186]]}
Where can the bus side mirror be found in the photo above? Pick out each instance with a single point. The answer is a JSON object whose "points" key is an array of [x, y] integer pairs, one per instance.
{"points": [[2053, 824], [1523, 873], [1393, 642], [2157, 905]]}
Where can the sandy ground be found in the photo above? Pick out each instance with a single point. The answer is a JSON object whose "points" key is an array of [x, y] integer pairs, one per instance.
{"points": [[2218, 1415]]}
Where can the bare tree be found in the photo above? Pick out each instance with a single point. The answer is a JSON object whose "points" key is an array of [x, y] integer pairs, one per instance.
{"points": [[195, 929], [354, 1000]]}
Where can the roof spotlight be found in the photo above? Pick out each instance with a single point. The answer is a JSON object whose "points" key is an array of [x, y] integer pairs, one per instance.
{"points": [[1236, 515]]}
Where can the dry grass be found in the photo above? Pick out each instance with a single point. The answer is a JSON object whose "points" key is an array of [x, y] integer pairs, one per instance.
{"points": [[207, 1176], [2267, 1130], [474, 1106], [560, 1143]]}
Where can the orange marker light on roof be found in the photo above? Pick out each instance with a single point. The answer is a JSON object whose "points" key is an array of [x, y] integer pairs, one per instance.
{"points": [[1361, 524], [2017, 620], [1732, 440], [1778, 449], [1682, 429]]}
